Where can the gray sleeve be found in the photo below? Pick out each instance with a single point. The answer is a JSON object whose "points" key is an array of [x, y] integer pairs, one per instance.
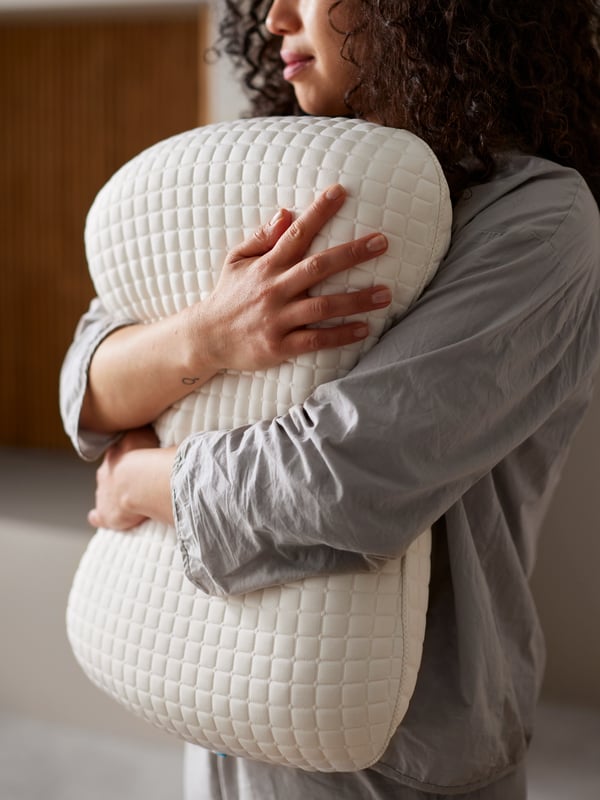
{"points": [[503, 337], [94, 326]]}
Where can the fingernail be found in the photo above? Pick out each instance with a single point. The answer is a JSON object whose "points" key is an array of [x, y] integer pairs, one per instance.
{"points": [[383, 296], [361, 331], [334, 192], [275, 219], [376, 243]]}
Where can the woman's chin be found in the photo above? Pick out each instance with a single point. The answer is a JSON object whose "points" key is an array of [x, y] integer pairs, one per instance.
{"points": [[319, 107]]}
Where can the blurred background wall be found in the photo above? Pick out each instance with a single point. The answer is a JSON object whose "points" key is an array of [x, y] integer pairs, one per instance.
{"points": [[81, 91]]}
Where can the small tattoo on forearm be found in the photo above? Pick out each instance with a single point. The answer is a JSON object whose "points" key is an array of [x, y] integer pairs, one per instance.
{"points": [[190, 381]]}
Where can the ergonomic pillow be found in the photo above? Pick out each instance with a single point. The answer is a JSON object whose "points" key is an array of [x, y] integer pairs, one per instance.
{"points": [[315, 674]]}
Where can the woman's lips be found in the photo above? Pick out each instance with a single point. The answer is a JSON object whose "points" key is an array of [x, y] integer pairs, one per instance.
{"points": [[294, 63]]}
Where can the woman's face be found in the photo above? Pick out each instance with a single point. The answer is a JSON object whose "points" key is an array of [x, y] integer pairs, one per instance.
{"points": [[310, 50]]}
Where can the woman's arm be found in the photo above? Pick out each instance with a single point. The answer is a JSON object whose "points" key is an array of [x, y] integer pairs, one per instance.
{"points": [[93, 328], [255, 318]]}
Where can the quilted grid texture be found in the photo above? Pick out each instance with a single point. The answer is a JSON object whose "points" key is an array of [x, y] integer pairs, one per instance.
{"points": [[316, 674]]}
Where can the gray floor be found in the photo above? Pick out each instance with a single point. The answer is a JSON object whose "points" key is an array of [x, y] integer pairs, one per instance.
{"points": [[39, 761], [42, 761]]}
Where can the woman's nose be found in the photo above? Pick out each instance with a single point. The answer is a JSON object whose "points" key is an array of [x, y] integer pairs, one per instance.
{"points": [[283, 18]]}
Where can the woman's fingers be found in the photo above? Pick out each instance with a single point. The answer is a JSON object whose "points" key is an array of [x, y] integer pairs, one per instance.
{"points": [[287, 240], [264, 239], [316, 268], [298, 237], [312, 310], [309, 340], [292, 237]]}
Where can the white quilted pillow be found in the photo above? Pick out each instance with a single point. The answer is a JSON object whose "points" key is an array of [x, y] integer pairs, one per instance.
{"points": [[316, 674]]}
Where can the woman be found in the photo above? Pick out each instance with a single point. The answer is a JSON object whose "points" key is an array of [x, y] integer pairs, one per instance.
{"points": [[460, 418]]}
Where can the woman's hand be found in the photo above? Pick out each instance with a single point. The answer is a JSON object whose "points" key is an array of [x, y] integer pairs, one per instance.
{"points": [[258, 313], [133, 483], [256, 317]]}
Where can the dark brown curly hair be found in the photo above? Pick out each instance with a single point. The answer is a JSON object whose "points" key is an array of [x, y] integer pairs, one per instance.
{"points": [[473, 78]]}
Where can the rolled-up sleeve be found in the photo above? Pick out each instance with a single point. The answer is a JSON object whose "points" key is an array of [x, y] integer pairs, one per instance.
{"points": [[504, 337], [94, 326]]}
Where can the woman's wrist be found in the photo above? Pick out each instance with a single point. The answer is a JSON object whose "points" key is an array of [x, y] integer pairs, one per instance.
{"points": [[139, 371], [202, 343]]}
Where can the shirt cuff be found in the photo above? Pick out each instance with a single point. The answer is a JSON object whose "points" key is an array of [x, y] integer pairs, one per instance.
{"points": [[185, 507], [89, 445]]}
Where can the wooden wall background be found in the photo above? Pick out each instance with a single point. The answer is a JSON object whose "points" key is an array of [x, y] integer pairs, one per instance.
{"points": [[78, 98]]}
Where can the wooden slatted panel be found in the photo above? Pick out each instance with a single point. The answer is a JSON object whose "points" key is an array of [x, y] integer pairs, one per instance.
{"points": [[77, 100]]}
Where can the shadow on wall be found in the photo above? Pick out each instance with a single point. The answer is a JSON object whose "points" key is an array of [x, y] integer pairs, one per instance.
{"points": [[565, 582]]}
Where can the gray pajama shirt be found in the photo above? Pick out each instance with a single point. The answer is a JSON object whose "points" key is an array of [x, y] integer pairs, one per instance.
{"points": [[460, 419]]}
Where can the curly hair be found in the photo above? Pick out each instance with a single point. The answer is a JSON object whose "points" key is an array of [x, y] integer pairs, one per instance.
{"points": [[473, 78]]}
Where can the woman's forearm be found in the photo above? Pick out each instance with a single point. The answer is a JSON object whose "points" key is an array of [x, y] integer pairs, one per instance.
{"points": [[140, 370]]}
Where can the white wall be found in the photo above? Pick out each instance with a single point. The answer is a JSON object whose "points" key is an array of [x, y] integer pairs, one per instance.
{"points": [[227, 100]]}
